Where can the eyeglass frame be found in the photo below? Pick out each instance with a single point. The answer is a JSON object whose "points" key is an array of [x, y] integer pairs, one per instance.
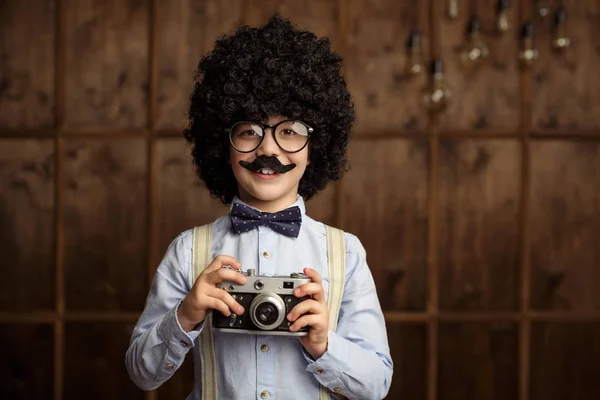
{"points": [[273, 130]]}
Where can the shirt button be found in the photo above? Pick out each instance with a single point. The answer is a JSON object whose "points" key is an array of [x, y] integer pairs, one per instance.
{"points": [[266, 254], [264, 348], [184, 343], [264, 394], [170, 366], [337, 389]]}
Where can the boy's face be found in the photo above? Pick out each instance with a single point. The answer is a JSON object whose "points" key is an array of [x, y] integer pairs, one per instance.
{"points": [[269, 192]]}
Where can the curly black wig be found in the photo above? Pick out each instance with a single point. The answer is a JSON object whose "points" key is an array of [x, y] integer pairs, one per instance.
{"points": [[275, 69]]}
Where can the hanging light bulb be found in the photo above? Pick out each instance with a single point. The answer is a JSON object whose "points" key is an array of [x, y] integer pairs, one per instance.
{"points": [[502, 24], [559, 30], [528, 53], [452, 9], [543, 7], [436, 96], [474, 50], [414, 64]]}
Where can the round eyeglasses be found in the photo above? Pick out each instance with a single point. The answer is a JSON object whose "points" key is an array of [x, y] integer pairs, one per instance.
{"points": [[290, 135]]}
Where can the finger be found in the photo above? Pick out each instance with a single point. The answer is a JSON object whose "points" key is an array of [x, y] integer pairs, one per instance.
{"points": [[312, 320], [307, 306], [313, 275], [311, 289], [217, 304], [225, 274], [226, 298], [221, 261]]}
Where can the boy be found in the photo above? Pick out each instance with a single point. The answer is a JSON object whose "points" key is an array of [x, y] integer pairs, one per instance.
{"points": [[269, 122]]}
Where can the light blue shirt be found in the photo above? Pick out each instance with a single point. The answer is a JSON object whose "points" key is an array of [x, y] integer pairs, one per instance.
{"points": [[357, 363]]}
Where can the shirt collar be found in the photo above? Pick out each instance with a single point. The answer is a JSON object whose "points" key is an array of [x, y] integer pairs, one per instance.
{"points": [[299, 202]]}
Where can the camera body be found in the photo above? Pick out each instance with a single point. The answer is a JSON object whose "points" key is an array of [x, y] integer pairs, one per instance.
{"points": [[267, 300]]}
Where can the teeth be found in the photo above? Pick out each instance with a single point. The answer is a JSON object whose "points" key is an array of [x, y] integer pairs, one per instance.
{"points": [[267, 171]]}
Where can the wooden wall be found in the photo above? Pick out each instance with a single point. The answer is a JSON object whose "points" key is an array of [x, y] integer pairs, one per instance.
{"points": [[488, 268]]}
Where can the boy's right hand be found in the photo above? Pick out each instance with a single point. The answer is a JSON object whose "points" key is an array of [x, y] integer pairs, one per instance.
{"points": [[205, 296]]}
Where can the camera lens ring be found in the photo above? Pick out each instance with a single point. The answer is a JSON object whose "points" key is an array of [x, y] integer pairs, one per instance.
{"points": [[267, 298]]}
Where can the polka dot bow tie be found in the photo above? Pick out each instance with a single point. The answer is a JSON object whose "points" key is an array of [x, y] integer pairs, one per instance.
{"points": [[286, 222]]}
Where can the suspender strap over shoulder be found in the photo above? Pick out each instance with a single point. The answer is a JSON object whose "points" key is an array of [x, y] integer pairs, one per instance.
{"points": [[336, 266]]}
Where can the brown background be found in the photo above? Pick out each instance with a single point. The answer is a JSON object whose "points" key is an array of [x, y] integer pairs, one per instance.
{"points": [[482, 223]]}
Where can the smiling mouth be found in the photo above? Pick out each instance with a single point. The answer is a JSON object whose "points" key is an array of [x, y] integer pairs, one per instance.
{"points": [[266, 171]]}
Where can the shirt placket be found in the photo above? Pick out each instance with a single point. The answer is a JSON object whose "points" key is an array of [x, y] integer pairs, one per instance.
{"points": [[265, 359]]}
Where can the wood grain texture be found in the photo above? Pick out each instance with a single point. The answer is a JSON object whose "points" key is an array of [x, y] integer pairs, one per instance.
{"points": [[408, 347], [385, 205], [386, 98], [27, 225], [565, 225], [26, 370], [564, 361], [478, 241], [183, 200], [187, 30], [106, 80], [317, 16], [27, 63], [322, 207], [486, 96], [105, 224], [94, 366], [566, 86], [478, 361]]}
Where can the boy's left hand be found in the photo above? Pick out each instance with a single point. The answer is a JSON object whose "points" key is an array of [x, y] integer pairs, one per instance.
{"points": [[317, 315]]}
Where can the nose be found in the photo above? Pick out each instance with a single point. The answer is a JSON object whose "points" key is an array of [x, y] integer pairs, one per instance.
{"points": [[268, 146]]}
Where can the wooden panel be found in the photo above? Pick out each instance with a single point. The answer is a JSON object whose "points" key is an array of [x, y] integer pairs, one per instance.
{"points": [[26, 43], [322, 207], [94, 362], [565, 225], [26, 370], [478, 361], [106, 63], [187, 29], [408, 347], [566, 87], [386, 98], [317, 16], [478, 200], [486, 97], [564, 361], [181, 384], [183, 201], [27, 225], [105, 224], [385, 205]]}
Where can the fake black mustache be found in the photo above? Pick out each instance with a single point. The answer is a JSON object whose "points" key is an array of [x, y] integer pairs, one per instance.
{"points": [[267, 162]]}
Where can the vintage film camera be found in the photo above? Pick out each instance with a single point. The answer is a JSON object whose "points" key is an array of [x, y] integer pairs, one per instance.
{"points": [[266, 300]]}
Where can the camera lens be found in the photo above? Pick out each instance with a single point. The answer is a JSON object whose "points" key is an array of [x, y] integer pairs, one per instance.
{"points": [[267, 311]]}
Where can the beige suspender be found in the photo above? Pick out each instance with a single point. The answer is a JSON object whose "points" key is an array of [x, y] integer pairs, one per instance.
{"points": [[201, 259], [336, 263], [336, 266]]}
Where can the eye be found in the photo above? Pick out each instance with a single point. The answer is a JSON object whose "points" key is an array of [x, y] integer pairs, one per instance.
{"points": [[248, 132], [287, 132]]}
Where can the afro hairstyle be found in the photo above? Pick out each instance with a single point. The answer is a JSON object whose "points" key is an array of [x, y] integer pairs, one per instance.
{"points": [[275, 69]]}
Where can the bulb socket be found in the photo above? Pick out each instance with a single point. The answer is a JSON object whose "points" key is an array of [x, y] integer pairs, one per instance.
{"points": [[502, 5], [473, 26], [527, 30], [414, 40], [437, 66], [560, 18]]}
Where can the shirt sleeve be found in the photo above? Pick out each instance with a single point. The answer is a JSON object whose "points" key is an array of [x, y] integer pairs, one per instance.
{"points": [[357, 363], [158, 343]]}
